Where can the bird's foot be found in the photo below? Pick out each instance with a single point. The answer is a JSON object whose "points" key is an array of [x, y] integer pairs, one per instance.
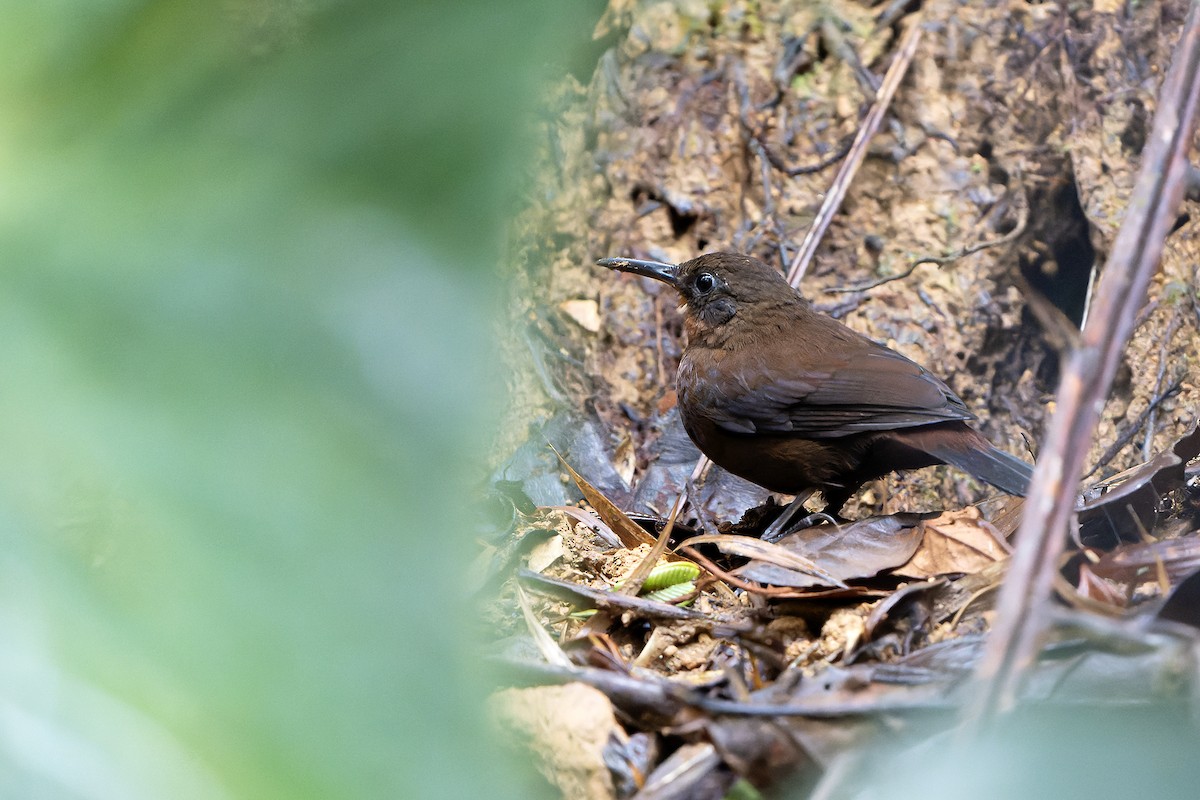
{"points": [[775, 531], [779, 526]]}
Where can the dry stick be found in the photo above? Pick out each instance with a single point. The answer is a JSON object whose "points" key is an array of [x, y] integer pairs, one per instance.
{"points": [[1127, 436], [1023, 611], [858, 151], [1176, 321]]}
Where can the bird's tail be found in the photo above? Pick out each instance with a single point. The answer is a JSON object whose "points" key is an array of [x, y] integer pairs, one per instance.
{"points": [[994, 466], [978, 457]]}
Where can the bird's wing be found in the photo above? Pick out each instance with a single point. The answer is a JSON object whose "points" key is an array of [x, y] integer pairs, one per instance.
{"points": [[873, 388]]}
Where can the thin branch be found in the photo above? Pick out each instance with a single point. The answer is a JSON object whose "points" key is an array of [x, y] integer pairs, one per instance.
{"points": [[604, 599], [939, 260], [775, 160], [1127, 436], [858, 151], [764, 150], [1164, 348]]}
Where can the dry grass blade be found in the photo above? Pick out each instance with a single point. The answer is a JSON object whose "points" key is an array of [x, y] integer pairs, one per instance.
{"points": [[545, 643], [769, 552], [628, 531]]}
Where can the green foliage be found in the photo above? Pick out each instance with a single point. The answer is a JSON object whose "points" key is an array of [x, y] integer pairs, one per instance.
{"points": [[248, 275]]}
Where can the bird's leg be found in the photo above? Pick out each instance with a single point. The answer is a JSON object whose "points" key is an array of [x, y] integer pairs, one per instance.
{"points": [[777, 529], [807, 521]]}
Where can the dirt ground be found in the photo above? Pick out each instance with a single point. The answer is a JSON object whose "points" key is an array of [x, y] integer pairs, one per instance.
{"points": [[1007, 159]]}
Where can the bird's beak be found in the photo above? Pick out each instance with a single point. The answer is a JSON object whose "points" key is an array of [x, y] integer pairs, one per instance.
{"points": [[667, 273]]}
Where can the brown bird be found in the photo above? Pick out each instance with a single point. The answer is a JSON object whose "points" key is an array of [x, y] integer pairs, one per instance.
{"points": [[793, 400]]}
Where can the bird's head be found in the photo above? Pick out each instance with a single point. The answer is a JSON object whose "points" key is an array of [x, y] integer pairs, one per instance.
{"points": [[716, 287]]}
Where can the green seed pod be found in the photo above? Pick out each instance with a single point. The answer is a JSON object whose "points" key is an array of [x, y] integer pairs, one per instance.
{"points": [[672, 593], [665, 575]]}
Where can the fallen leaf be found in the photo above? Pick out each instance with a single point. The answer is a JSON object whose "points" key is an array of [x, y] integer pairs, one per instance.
{"points": [[847, 552], [1180, 557], [955, 542], [1093, 588], [769, 554], [545, 554], [1131, 507]]}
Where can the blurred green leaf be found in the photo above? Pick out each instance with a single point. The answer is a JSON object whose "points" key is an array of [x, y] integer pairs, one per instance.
{"points": [[245, 311]]}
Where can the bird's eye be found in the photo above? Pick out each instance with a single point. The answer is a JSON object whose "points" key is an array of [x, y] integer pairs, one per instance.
{"points": [[705, 283]]}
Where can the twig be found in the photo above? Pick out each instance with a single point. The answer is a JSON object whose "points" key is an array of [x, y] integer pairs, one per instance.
{"points": [[765, 150], [939, 260], [771, 591], [858, 151], [776, 161], [835, 41], [733, 580], [1127, 436], [769, 217], [655, 694], [1176, 320], [691, 493], [923, 699], [1023, 608]]}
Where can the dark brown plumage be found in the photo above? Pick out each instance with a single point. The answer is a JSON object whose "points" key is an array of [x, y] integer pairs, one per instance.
{"points": [[792, 400]]}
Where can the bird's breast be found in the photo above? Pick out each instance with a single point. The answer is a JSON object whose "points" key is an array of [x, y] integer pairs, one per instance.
{"points": [[700, 382]]}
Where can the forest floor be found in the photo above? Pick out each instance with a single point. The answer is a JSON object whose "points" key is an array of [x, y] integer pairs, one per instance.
{"points": [[970, 241]]}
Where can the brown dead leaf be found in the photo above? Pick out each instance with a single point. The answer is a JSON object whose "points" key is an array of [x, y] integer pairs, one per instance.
{"points": [[883, 609], [853, 551], [1095, 589], [768, 553], [1177, 557], [1131, 506], [955, 542]]}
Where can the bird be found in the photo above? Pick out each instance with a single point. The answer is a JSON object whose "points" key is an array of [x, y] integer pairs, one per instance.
{"points": [[778, 393]]}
